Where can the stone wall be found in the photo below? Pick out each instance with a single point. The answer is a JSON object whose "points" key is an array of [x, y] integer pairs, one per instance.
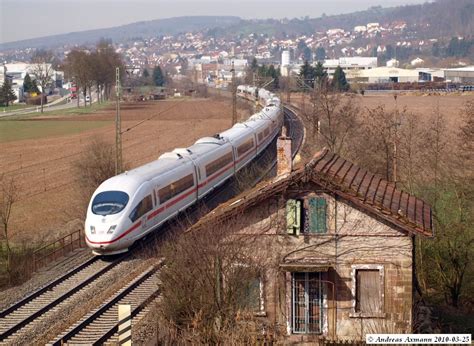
{"points": [[354, 240]]}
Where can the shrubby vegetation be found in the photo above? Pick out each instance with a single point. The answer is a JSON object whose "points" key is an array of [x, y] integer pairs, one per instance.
{"points": [[424, 158], [210, 288]]}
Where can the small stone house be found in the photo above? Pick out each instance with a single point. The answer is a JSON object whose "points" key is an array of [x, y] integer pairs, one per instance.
{"points": [[339, 242]]}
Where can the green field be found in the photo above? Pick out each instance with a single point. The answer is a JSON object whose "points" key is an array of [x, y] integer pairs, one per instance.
{"points": [[12, 130], [15, 107]]}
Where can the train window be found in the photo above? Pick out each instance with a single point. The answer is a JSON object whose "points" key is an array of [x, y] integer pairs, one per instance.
{"points": [[265, 133], [260, 137], [109, 202], [175, 188], [145, 205], [216, 165], [243, 148]]}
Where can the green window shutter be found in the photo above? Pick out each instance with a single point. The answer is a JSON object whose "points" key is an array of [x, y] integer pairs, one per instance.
{"points": [[317, 214], [293, 216]]}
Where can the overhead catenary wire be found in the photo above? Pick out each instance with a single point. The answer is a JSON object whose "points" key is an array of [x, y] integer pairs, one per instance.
{"points": [[84, 151], [153, 116], [69, 182]]}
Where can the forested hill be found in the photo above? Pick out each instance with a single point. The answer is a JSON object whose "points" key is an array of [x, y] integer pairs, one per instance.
{"points": [[443, 18], [168, 26]]}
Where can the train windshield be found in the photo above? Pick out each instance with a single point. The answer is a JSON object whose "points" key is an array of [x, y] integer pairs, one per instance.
{"points": [[109, 202]]}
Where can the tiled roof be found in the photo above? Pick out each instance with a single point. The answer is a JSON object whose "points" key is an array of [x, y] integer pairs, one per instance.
{"points": [[372, 191], [368, 191]]}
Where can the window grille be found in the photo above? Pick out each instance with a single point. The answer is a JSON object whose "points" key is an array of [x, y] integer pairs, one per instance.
{"points": [[307, 303]]}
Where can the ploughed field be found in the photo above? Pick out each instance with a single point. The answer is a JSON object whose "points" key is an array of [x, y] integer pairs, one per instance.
{"points": [[423, 104], [41, 152]]}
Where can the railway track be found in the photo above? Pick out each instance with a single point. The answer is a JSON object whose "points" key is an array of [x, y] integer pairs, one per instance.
{"points": [[296, 129], [44, 301], [100, 325]]}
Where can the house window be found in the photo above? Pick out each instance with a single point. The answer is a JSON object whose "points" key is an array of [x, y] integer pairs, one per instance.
{"points": [[368, 290], [309, 216], [252, 295], [306, 301]]}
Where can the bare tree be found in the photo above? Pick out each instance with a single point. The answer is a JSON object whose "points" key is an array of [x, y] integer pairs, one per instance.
{"points": [[436, 139], [79, 67], [42, 68], [466, 144], [8, 196], [95, 166], [409, 140], [210, 279], [332, 119], [444, 263], [375, 146]]}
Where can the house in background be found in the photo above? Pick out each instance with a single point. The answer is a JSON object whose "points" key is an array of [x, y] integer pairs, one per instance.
{"points": [[17, 72], [336, 245]]}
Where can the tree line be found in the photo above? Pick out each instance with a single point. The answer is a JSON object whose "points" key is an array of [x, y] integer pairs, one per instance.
{"points": [[96, 69], [317, 76]]}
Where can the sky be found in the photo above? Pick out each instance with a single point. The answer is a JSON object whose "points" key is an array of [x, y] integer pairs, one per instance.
{"points": [[24, 19]]}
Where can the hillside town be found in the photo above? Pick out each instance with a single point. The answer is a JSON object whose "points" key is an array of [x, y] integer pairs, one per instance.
{"points": [[209, 179], [369, 53]]}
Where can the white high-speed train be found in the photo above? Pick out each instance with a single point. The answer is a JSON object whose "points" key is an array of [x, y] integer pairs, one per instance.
{"points": [[128, 206]]}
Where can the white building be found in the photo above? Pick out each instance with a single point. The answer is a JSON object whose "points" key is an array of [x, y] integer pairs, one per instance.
{"points": [[392, 75], [335, 32], [417, 61], [285, 58], [464, 75], [393, 63], [350, 63], [17, 72], [360, 29], [373, 27]]}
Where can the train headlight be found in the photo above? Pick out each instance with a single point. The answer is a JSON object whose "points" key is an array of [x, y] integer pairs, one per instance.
{"points": [[111, 229], [92, 230]]}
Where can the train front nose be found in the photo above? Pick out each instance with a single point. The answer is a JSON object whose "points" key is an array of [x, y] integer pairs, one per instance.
{"points": [[101, 238]]}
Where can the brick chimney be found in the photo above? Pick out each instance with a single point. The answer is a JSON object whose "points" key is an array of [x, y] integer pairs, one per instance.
{"points": [[284, 160]]}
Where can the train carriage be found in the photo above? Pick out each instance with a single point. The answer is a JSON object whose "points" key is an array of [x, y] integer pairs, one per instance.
{"points": [[242, 137], [126, 207]]}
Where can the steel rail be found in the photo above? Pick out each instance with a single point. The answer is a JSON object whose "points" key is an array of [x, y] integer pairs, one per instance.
{"points": [[56, 300], [109, 331]]}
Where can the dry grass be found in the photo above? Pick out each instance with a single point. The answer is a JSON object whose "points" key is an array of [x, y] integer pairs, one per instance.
{"points": [[450, 104]]}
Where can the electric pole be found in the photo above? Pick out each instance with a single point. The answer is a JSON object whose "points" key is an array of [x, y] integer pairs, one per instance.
{"points": [[395, 142], [288, 89], [118, 126], [234, 96], [314, 97]]}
